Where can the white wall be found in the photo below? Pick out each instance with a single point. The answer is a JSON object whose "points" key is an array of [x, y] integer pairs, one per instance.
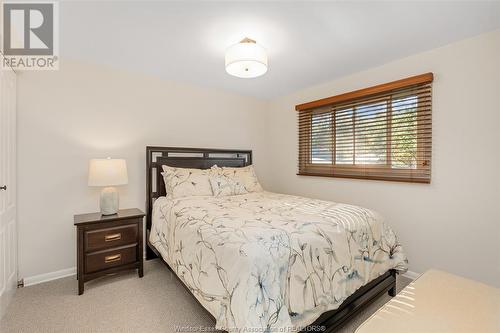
{"points": [[83, 111], [454, 223]]}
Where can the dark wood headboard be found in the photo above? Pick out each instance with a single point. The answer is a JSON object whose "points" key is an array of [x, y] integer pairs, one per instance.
{"points": [[199, 158]]}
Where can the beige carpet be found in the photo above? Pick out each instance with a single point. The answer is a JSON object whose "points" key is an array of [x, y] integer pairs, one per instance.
{"points": [[120, 303]]}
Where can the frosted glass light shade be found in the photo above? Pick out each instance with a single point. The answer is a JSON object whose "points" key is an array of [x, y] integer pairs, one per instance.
{"points": [[107, 172], [247, 59]]}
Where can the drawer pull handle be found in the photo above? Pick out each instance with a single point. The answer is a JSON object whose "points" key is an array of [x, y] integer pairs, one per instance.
{"points": [[113, 258], [113, 237]]}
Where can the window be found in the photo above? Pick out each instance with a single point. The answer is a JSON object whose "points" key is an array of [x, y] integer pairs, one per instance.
{"points": [[382, 132]]}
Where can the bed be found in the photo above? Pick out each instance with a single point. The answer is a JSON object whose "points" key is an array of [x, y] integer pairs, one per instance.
{"points": [[267, 261]]}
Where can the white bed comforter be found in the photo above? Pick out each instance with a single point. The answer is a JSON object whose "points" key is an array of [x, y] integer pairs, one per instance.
{"points": [[269, 261]]}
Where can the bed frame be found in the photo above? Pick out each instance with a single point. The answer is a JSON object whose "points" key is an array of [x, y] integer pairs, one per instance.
{"points": [[203, 158]]}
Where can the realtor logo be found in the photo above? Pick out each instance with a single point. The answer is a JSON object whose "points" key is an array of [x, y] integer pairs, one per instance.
{"points": [[30, 33]]}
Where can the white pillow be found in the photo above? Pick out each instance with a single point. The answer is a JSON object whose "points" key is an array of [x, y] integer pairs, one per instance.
{"points": [[233, 181], [185, 182]]}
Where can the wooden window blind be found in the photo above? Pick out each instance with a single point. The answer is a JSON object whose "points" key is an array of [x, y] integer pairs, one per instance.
{"points": [[382, 132]]}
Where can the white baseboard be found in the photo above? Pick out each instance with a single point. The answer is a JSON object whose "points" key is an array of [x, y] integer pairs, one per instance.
{"points": [[411, 275], [36, 279], [32, 280]]}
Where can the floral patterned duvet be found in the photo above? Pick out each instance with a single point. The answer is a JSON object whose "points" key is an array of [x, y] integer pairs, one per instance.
{"points": [[269, 261]]}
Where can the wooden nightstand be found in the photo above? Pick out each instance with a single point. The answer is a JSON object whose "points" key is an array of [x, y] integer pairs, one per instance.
{"points": [[108, 244]]}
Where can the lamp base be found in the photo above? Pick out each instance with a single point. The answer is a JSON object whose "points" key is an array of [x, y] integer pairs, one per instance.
{"points": [[109, 202]]}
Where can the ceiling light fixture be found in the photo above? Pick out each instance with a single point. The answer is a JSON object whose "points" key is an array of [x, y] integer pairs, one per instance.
{"points": [[247, 59]]}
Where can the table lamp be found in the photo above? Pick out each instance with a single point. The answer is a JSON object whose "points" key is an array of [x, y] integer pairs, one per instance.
{"points": [[108, 172]]}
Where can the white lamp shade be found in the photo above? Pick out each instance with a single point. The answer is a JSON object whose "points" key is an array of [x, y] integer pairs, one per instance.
{"points": [[107, 172], [246, 59]]}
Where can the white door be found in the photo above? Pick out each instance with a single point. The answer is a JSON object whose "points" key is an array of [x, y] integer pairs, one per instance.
{"points": [[8, 222]]}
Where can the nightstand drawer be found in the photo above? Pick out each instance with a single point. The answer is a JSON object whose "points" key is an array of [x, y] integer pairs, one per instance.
{"points": [[110, 237], [110, 258]]}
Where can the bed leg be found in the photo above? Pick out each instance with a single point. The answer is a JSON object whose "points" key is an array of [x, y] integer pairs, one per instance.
{"points": [[392, 290], [149, 253]]}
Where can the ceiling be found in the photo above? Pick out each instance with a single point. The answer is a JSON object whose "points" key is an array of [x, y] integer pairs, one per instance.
{"points": [[308, 43]]}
